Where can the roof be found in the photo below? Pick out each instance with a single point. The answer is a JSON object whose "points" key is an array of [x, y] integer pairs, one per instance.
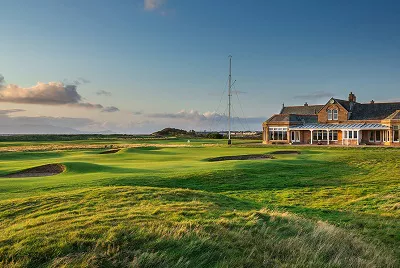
{"points": [[364, 126], [395, 115], [344, 103], [302, 110], [374, 111], [293, 118]]}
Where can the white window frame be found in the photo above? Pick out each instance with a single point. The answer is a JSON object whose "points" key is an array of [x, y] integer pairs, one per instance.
{"points": [[332, 114], [335, 114], [371, 134], [329, 114], [277, 129], [331, 135], [386, 136], [350, 134], [380, 136], [295, 136], [396, 129]]}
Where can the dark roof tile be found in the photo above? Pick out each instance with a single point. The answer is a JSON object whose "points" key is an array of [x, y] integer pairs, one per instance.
{"points": [[302, 110], [373, 111]]}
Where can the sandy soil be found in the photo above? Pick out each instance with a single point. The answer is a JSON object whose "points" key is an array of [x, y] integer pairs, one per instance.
{"points": [[40, 171], [113, 151], [285, 152], [242, 157]]}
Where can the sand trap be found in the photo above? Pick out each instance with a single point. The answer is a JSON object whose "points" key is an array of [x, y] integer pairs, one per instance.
{"points": [[40, 171], [242, 157], [285, 152], [113, 151]]}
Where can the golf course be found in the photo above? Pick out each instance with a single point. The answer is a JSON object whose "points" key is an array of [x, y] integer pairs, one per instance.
{"points": [[174, 203]]}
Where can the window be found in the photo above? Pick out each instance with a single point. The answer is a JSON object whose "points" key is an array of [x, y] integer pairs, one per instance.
{"points": [[396, 133], [377, 135], [322, 135], [372, 136], [332, 114], [333, 135], [350, 134], [385, 136], [335, 114], [278, 133]]}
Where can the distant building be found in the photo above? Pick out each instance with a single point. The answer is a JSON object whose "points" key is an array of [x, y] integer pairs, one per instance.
{"points": [[344, 122]]}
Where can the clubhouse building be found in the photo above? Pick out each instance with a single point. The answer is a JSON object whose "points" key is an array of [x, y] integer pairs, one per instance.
{"points": [[340, 122]]}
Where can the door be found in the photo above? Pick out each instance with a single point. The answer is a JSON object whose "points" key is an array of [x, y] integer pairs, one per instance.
{"points": [[295, 136]]}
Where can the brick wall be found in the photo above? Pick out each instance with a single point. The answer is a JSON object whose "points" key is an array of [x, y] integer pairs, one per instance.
{"points": [[342, 114]]}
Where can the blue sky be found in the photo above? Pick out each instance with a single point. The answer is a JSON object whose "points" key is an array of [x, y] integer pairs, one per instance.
{"points": [[165, 62]]}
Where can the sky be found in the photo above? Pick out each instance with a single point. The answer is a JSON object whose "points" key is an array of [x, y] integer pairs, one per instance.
{"points": [[136, 66]]}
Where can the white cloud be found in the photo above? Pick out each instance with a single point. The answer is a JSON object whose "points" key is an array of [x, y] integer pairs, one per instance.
{"points": [[52, 93], [153, 4]]}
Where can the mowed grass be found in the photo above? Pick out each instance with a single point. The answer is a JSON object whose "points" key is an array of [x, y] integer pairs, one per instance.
{"points": [[169, 207]]}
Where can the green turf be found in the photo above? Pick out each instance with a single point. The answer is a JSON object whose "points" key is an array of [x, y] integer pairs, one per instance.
{"points": [[169, 207]]}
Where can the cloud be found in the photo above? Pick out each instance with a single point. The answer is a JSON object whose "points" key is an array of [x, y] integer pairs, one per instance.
{"points": [[314, 95], [52, 93], [153, 4], [194, 115], [1, 80], [76, 82], [137, 113], [104, 93], [41, 124], [110, 109], [6, 112]]}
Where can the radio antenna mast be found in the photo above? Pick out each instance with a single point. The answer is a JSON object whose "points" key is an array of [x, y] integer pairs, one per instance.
{"points": [[229, 100]]}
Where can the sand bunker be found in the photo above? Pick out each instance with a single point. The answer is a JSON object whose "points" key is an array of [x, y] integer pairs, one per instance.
{"points": [[285, 152], [242, 157], [113, 151], [40, 171]]}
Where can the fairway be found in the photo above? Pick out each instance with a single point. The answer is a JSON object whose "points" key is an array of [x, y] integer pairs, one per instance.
{"points": [[164, 204]]}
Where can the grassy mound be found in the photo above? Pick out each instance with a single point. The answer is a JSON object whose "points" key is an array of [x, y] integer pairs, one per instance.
{"points": [[167, 207], [159, 227]]}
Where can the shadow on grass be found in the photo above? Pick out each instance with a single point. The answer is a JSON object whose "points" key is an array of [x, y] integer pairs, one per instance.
{"points": [[85, 167], [257, 175], [150, 150], [19, 156]]}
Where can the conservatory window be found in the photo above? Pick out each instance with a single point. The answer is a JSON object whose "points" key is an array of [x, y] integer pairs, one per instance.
{"points": [[278, 133]]}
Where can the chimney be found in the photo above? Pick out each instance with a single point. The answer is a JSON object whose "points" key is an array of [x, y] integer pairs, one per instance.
{"points": [[372, 102], [306, 104], [352, 97]]}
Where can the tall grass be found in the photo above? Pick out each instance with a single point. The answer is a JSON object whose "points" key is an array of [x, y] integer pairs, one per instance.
{"points": [[168, 207]]}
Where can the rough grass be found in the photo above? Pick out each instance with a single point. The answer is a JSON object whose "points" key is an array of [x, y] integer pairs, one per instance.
{"points": [[167, 207]]}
